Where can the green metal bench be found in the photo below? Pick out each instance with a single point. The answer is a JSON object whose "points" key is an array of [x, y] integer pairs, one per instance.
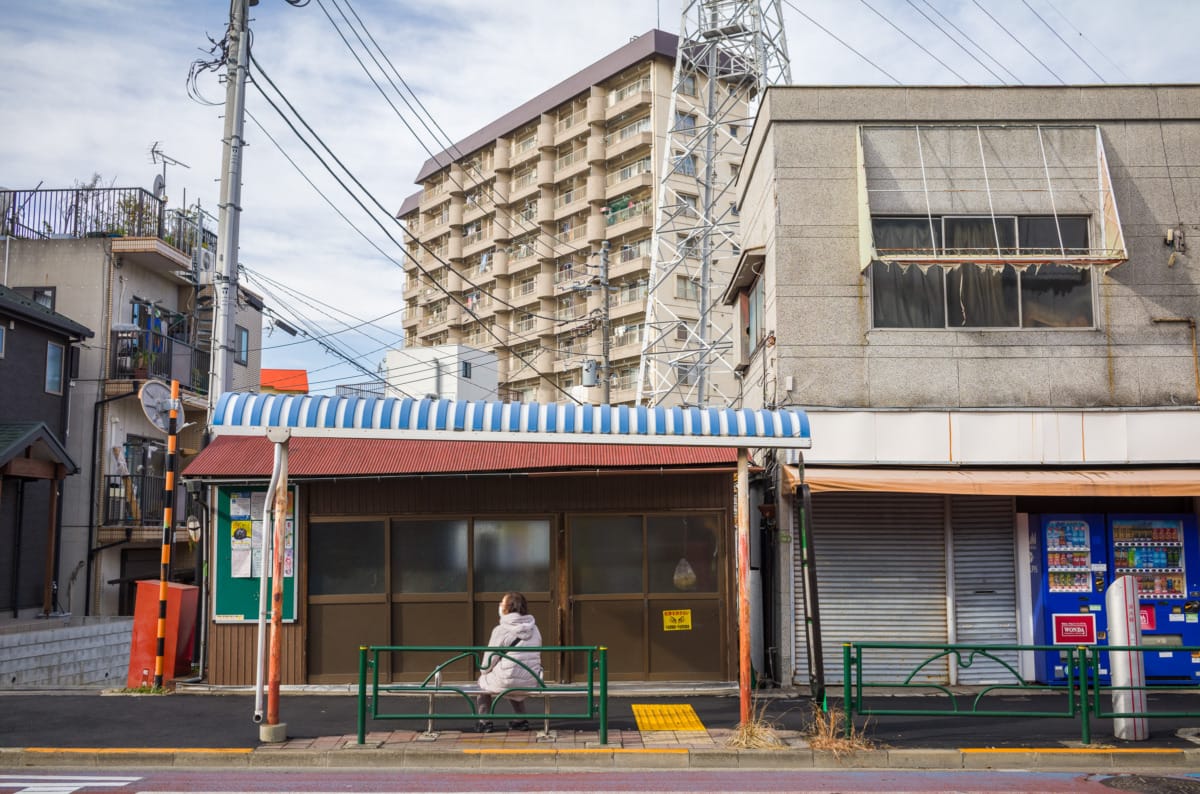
{"points": [[594, 689]]}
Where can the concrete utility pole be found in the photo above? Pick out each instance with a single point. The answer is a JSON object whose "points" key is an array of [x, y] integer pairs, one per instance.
{"points": [[605, 327], [226, 276]]}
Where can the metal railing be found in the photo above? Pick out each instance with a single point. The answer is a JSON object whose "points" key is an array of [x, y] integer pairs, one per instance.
{"points": [[134, 500], [594, 689], [1080, 695], [141, 355]]}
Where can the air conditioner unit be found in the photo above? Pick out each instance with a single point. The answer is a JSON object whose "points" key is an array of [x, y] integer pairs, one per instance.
{"points": [[204, 261]]}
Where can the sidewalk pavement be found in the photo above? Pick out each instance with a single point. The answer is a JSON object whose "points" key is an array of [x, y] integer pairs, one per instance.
{"points": [[206, 729]]}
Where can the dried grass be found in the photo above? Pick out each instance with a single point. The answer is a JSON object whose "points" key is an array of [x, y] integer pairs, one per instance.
{"points": [[826, 732], [757, 734]]}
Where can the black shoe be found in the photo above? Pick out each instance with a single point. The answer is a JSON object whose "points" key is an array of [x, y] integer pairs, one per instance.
{"points": [[484, 726], [519, 725]]}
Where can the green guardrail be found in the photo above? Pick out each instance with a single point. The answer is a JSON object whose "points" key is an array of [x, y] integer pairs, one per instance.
{"points": [[1080, 697], [594, 689]]}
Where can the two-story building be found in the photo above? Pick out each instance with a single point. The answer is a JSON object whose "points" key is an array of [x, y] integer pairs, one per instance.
{"points": [[38, 352], [118, 261], [985, 299]]}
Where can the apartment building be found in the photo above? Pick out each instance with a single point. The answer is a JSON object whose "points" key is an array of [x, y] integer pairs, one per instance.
{"points": [[508, 225], [118, 261], [986, 299]]}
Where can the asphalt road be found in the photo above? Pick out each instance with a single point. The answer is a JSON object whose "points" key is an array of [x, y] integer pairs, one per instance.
{"points": [[506, 781]]}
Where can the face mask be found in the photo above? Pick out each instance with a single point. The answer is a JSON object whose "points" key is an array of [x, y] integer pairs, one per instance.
{"points": [[500, 610]]}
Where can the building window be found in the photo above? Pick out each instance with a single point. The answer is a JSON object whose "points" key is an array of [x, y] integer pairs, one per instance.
{"points": [[466, 370], [242, 353], [55, 356], [42, 296], [686, 288], [681, 332], [687, 85], [685, 164], [984, 294], [685, 122]]}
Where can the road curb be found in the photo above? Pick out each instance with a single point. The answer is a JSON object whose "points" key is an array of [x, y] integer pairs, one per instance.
{"points": [[565, 759]]}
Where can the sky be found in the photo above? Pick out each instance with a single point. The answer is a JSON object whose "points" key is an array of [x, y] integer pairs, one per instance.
{"points": [[91, 85]]}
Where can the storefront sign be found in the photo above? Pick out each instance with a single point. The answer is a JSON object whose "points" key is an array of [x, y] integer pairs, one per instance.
{"points": [[1074, 628], [677, 620], [1149, 623]]}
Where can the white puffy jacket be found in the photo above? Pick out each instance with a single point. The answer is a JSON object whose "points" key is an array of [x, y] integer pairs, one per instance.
{"points": [[498, 673]]}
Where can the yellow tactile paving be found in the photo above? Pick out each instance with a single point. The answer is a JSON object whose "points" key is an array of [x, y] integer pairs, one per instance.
{"points": [[670, 717]]}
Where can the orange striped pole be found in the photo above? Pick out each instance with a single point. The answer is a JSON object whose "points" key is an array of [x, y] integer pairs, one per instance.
{"points": [[742, 505], [274, 668], [168, 524]]}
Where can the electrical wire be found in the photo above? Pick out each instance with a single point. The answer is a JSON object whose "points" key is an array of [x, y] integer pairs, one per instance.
{"points": [[1071, 25], [449, 145], [974, 43], [357, 200], [836, 38], [1018, 41], [954, 41], [1064, 41], [923, 48]]}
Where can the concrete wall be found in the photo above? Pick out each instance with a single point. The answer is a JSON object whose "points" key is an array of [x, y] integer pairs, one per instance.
{"points": [[802, 202], [53, 654]]}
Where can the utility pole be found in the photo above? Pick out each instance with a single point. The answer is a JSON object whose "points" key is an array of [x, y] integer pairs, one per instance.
{"points": [[226, 276], [605, 324]]}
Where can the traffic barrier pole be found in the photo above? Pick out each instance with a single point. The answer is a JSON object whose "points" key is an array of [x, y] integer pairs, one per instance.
{"points": [[164, 574]]}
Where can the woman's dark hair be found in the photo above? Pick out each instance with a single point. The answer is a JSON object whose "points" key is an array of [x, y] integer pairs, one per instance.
{"points": [[516, 603]]}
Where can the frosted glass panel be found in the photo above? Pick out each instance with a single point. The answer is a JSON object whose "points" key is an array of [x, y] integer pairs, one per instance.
{"points": [[345, 557], [429, 556], [512, 555], [681, 553], [606, 554]]}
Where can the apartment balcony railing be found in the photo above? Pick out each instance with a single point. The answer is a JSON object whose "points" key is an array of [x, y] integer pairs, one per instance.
{"points": [[632, 211], [75, 213], [133, 500], [141, 355]]}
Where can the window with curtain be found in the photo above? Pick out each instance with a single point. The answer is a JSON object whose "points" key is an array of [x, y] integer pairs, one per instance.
{"points": [[987, 294]]}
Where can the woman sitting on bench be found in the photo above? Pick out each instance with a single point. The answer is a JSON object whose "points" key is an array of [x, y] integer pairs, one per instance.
{"points": [[498, 673]]}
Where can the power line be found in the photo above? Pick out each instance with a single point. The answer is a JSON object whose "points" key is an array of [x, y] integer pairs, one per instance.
{"points": [[1018, 41], [976, 44], [836, 38], [361, 187], [451, 146], [954, 41], [1103, 55], [914, 41], [1064, 41]]}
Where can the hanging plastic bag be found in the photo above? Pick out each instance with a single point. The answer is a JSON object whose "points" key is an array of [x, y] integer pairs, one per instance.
{"points": [[685, 575]]}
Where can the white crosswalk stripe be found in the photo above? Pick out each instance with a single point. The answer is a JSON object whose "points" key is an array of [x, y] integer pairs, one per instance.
{"points": [[61, 784]]}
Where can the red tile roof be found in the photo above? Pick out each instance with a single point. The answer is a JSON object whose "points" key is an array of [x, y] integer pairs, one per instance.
{"points": [[291, 381], [251, 456]]}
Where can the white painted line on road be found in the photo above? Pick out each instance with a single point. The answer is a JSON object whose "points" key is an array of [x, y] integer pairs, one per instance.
{"points": [[61, 784]]}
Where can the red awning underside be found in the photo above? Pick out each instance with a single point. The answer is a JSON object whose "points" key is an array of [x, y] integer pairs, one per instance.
{"points": [[251, 456]]}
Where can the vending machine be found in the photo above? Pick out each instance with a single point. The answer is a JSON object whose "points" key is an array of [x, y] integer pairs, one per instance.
{"points": [[1079, 555]]}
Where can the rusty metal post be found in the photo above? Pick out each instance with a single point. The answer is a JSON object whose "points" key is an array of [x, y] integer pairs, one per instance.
{"points": [[277, 552], [742, 505]]}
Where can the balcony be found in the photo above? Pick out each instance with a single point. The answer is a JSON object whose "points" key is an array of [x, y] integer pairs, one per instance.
{"points": [[142, 355], [133, 500], [139, 225]]}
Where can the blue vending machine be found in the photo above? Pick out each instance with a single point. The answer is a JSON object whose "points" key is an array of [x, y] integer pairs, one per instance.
{"points": [[1072, 566], [1163, 553]]}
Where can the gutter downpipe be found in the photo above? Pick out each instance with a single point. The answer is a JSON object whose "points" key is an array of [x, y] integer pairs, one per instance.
{"points": [[261, 657], [93, 497]]}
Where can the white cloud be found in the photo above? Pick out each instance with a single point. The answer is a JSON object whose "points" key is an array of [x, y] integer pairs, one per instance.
{"points": [[90, 84]]}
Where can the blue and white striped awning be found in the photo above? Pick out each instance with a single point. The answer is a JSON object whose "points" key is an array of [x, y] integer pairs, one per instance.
{"points": [[372, 417]]}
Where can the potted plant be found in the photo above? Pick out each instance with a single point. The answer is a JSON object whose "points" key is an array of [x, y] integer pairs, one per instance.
{"points": [[143, 360]]}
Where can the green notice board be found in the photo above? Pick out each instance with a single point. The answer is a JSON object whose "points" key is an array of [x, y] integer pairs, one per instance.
{"points": [[238, 562]]}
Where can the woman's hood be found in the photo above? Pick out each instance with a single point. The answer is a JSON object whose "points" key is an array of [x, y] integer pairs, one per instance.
{"points": [[518, 625]]}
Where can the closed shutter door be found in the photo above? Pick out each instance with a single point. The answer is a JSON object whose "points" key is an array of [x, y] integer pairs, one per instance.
{"points": [[985, 587], [881, 574]]}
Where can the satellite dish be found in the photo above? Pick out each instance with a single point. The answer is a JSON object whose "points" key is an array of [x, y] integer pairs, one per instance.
{"points": [[160, 186], [155, 397]]}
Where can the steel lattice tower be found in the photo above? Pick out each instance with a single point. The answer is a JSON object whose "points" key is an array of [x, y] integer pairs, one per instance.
{"points": [[729, 52]]}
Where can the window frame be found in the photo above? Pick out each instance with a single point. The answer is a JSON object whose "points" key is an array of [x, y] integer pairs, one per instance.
{"points": [[241, 350], [62, 368]]}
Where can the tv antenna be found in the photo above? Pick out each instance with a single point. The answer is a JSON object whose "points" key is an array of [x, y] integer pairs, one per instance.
{"points": [[157, 155]]}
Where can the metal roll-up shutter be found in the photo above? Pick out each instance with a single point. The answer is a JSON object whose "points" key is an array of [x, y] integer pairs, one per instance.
{"points": [[881, 574], [985, 587]]}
